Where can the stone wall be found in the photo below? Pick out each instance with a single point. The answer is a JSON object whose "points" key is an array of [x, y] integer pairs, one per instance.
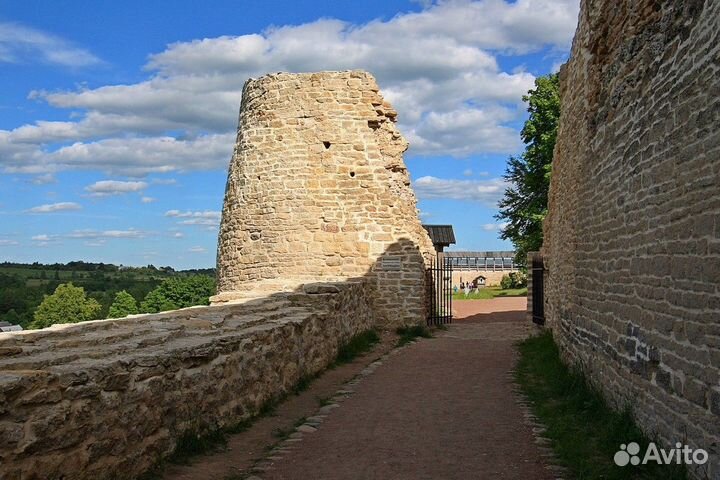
{"points": [[317, 189], [492, 278], [632, 238], [107, 399]]}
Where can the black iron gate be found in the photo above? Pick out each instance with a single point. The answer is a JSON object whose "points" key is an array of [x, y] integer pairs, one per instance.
{"points": [[538, 294], [440, 284]]}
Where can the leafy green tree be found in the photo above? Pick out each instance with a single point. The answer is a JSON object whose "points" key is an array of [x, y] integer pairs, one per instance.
{"points": [[68, 304], [179, 292], [123, 305], [524, 205]]}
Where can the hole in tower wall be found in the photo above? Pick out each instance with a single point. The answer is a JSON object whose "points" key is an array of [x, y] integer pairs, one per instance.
{"points": [[352, 174], [327, 145]]}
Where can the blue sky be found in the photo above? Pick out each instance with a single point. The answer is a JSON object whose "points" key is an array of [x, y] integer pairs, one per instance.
{"points": [[117, 118]]}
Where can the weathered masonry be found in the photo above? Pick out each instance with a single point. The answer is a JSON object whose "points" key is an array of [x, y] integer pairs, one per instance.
{"points": [[318, 189], [320, 240], [632, 238], [107, 399]]}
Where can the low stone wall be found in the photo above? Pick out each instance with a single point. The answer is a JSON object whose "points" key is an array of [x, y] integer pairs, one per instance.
{"points": [[107, 399]]}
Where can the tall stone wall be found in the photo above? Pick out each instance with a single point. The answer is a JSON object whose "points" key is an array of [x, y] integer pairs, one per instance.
{"points": [[317, 189], [633, 231], [108, 399]]}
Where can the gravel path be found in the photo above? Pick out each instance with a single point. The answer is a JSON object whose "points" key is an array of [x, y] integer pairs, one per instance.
{"points": [[442, 408]]}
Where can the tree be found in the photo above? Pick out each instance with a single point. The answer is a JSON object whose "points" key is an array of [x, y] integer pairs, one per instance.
{"points": [[179, 292], [524, 205], [68, 304], [123, 305]]}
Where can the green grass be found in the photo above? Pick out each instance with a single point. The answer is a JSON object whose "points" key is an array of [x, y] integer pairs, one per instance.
{"points": [[356, 346], [409, 333], [486, 293], [584, 430], [192, 443]]}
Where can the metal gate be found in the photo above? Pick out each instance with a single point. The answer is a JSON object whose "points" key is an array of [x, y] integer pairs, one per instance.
{"points": [[538, 294], [440, 284]]}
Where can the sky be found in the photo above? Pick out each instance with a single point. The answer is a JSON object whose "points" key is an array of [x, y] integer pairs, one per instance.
{"points": [[118, 119]]}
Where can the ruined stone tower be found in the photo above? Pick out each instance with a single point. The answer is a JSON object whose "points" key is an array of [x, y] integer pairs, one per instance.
{"points": [[317, 190]]}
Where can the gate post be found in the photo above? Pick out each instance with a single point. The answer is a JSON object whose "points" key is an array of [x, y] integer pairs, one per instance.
{"points": [[440, 279], [536, 290]]}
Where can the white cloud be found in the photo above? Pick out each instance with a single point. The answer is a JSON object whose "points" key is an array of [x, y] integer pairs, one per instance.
{"points": [[126, 156], [468, 172], [106, 188], [147, 199], [44, 179], [178, 235], [8, 243], [21, 44], [164, 181], [55, 207], [208, 218], [105, 234], [95, 243], [44, 240], [437, 66], [492, 227], [197, 250], [487, 192]]}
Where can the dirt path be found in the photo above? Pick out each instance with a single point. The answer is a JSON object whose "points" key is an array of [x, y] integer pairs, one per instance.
{"points": [[244, 449], [442, 408]]}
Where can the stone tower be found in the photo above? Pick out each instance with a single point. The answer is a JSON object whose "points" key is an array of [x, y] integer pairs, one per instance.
{"points": [[318, 190]]}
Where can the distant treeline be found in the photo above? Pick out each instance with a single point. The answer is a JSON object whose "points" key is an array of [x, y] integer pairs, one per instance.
{"points": [[24, 286], [80, 266]]}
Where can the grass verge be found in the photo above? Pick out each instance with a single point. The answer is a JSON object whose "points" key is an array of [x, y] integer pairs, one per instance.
{"points": [[409, 333], [585, 432], [486, 293], [356, 346]]}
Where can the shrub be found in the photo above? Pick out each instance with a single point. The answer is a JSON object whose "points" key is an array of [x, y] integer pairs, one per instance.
{"points": [[123, 305], [179, 292], [513, 280], [68, 304]]}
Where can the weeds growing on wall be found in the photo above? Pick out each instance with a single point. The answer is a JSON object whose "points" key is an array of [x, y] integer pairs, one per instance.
{"points": [[356, 346], [197, 441], [585, 432], [410, 333]]}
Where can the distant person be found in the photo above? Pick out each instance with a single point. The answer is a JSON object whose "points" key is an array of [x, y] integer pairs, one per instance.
{"points": [[467, 289]]}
